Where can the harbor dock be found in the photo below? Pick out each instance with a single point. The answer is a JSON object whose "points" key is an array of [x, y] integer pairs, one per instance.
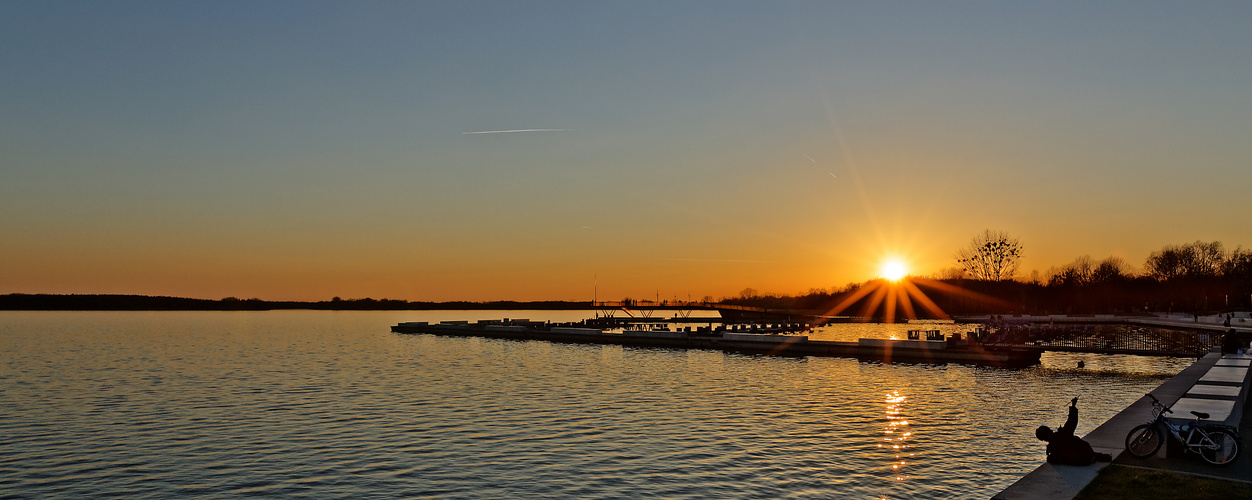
{"points": [[935, 349]]}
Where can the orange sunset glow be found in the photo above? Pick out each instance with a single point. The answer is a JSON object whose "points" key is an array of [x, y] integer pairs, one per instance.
{"points": [[617, 249], [893, 270], [423, 157]]}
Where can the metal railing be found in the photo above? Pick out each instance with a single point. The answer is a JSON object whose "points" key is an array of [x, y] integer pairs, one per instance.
{"points": [[1110, 339]]}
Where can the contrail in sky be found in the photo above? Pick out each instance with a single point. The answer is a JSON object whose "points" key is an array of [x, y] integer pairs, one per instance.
{"points": [[809, 157], [726, 260], [518, 130]]}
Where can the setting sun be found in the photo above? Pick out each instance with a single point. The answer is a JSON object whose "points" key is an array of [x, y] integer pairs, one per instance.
{"points": [[893, 270]]}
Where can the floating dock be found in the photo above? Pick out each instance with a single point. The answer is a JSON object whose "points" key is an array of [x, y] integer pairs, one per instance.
{"points": [[934, 351]]}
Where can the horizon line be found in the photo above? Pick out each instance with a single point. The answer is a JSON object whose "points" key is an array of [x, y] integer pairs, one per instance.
{"points": [[517, 130]]}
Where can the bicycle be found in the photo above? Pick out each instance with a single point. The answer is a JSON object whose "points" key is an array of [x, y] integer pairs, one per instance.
{"points": [[1217, 445]]}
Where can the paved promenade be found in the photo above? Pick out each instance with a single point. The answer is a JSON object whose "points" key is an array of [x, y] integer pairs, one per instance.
{"points": [[1207, 385], [1223, 377]]}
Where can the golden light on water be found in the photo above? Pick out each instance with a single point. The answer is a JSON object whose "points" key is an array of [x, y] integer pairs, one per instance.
{"points": [[897, 435]]}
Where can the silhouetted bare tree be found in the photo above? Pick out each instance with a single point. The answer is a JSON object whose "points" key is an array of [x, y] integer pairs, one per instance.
{"points": [[993, 256], [1085, 270], [1078, 272], [1193, 260], [1111, 269], [1239, 264], [950, 273]]}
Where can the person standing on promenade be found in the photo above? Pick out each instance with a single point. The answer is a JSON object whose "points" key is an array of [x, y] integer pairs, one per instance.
{"points": [[1230, 344], [1064, 447]]}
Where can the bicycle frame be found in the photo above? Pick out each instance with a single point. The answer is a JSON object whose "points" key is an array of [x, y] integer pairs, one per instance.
{"points": [[1196, 437], [1214, 442]]}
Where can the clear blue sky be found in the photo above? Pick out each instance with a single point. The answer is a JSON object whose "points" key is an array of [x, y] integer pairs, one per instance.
{"points": [[301, 150]]}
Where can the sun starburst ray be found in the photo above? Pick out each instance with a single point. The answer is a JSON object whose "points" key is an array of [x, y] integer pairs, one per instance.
{"points": [[889, 306], [903, 292], [880, 294], [961, 292], [926, 303], [851, 300]]}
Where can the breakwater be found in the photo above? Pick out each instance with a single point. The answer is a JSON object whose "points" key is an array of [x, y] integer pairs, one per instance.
{"points": [[933, 350]]}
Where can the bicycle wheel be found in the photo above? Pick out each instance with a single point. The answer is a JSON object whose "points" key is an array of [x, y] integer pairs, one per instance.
{"points": [[1225, 448], [1144, 440]]}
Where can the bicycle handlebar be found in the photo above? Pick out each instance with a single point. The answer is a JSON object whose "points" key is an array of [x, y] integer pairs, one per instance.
{"points": [[1159, 403]]}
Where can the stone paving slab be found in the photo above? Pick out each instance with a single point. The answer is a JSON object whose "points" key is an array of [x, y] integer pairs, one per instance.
{"points": [[1217, 409], [1215, 390], [1234, 362], [1225, 374]]}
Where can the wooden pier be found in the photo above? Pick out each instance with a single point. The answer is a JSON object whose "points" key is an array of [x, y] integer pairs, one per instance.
{"points": [[951, 350]]}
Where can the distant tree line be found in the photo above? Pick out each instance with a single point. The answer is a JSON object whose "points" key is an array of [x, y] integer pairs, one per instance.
{"points": [[51, 302], [1197, 278], [1200, 277]]}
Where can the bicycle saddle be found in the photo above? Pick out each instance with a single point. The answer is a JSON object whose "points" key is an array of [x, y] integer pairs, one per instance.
{"points": [[1200, 414]]}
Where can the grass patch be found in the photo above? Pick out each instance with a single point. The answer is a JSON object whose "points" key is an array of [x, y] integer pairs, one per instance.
{"points": [[1117, 482]]}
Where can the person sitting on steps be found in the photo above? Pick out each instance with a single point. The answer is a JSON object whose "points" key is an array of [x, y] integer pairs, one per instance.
{"points": [[1064, 447]]}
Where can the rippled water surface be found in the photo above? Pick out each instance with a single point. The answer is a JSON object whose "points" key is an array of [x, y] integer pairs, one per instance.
{"points": [[332, 404]]}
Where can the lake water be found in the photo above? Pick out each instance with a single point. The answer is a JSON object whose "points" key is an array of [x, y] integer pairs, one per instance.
{"points": [[322, 404]]}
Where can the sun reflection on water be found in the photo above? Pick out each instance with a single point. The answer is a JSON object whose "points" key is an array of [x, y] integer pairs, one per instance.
{"points": [[897, 435]]}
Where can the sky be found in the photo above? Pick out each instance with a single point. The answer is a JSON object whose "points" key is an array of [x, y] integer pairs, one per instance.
{"points": [[539, 150]]}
